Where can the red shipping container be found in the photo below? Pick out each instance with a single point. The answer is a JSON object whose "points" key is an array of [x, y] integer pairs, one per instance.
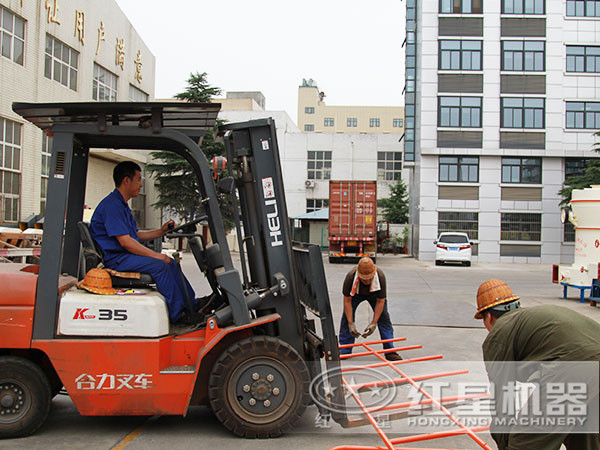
{"points": [[352, 217]]}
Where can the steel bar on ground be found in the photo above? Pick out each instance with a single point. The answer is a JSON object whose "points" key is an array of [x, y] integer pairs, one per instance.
{"points": [[407, 379], [382, 341], [385, 350], [426, 402], [393, 363]]}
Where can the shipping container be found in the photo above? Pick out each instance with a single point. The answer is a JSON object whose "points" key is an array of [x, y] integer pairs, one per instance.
{"points": [[352, 220]]}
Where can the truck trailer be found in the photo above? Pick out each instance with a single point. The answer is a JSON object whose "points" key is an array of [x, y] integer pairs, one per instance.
{"points": [[352, 220]]}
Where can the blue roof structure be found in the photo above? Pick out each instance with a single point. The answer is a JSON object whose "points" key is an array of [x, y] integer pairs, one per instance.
{"points": [[321, 214]]}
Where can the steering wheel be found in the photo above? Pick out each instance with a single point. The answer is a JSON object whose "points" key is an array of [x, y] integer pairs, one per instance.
{"points": [[187, 229]]}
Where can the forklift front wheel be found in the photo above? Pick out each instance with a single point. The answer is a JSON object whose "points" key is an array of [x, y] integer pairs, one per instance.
{"points": [[258, 388], [24, 397]]}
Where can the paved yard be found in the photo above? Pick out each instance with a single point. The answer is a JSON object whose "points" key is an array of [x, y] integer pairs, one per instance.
{"points": [[429, 305]]}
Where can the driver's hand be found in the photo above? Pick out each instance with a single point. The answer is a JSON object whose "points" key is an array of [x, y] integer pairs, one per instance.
{"points": [[167, 226], [164, 258]]}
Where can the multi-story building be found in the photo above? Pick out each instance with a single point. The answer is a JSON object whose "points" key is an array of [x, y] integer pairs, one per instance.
{"points": [[501, 105], [314, 116], [309, 160], [65, 51]]}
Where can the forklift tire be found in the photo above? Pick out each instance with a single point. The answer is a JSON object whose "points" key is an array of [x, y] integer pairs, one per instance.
{"points": [[24, 397], [258, 388]]}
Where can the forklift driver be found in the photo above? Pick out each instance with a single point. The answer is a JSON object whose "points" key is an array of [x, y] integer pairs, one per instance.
{"points": [[114, 230]]}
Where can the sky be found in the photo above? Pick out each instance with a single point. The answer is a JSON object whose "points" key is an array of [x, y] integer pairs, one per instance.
{"points": [[351, 48]]}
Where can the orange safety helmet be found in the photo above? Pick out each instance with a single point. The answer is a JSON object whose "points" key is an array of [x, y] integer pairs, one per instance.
{"points": [[97, 281], [492, 293], [366, 268]]}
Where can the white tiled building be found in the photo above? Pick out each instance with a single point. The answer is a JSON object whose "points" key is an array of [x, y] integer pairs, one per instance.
{"points": [[64, 51], [502, 99], [310, 160]]}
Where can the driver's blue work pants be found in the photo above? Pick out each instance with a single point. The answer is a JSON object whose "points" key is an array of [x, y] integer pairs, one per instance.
{"points": [[166, 276]]}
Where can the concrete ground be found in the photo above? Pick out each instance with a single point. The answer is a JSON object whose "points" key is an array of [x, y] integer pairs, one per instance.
{"points": [[444, 298]]}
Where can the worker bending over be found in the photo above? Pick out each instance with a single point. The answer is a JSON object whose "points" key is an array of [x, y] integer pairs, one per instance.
{"points": [[539, 333], [366, 282], [115, 231]]}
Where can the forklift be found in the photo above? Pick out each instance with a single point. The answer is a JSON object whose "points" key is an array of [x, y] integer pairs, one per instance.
{"points": [[264, 334]]}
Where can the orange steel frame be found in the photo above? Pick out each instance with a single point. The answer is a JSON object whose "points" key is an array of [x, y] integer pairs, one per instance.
{"points": [[392, 444]]}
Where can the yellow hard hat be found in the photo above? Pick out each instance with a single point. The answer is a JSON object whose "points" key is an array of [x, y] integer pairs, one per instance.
{"points": [[492, 293], [98, 281]]}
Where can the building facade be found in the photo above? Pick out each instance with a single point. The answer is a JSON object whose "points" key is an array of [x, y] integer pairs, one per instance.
{"points": [[65, 51], [309, 160], [314, 116], [501, 105]]}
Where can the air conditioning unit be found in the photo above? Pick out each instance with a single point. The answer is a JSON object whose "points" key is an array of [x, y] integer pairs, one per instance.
{"points": [[309, 183]]}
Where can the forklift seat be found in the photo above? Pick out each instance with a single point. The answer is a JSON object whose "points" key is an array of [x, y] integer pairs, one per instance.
{"points": [[92, 256]]}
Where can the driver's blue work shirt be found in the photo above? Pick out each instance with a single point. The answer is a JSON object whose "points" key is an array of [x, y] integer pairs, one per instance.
{"points": [[112, 218]]}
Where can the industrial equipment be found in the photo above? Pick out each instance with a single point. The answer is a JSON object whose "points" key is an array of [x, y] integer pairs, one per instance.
{"points": [[584, 213]]}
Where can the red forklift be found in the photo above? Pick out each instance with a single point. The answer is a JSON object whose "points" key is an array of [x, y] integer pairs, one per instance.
{"points": [[253, 351]]}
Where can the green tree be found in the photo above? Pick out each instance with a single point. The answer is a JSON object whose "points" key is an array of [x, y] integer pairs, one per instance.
{"points": [[198, 89], [589, 176], [395, 208], [177, 183]]}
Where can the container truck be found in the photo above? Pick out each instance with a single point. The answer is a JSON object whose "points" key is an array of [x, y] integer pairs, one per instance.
{"points": [[352, 220]]}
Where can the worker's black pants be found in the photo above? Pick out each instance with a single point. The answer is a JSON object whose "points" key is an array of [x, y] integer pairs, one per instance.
{"points": [[386, 331]]}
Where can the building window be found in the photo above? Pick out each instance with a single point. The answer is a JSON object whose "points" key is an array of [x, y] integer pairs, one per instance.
{"points": [[137, 95], [328, 122], [374, 122], [524, 56], [389, 166], [568, 232], [520, 227], [583, 115], [309, 110], [460, 55], [397, 123], [46, 146], [574, 167], [309, 127], [12, 36], [319, 165], [522, 112], [459, 222], [316, 204], [459, 112], [583, 8], [523, 7], [459, 169], [10, 170], [352, 122], [104, 86], [522, 170], [583, 59], [461, 7], [61, 63]]}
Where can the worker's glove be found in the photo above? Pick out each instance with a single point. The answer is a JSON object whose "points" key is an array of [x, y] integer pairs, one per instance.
{"points": [[353, 331], [370, 329]]}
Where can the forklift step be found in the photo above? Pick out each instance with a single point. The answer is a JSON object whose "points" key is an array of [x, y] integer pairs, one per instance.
{"points": [[178, 369]]}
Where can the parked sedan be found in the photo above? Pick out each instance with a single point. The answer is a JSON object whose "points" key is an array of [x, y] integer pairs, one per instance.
{"points": [[453, 247]]}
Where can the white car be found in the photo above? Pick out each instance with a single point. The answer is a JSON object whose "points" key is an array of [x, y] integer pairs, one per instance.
{"points": [[453, 247]]}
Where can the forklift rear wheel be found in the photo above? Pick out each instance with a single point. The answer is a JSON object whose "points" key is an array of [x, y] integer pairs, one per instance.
{"points": [[258, 388], [24, 397]]}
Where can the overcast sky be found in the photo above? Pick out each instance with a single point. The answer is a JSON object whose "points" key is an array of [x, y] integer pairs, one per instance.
{"points": [[351, 48]]}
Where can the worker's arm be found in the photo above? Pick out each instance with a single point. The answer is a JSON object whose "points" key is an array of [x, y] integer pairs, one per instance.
{"points": [[148, 235], [133, 246], [378, 310], [348, 309]]}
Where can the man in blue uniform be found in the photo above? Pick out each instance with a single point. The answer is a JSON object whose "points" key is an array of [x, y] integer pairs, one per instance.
{"points": [[115, 231]]}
